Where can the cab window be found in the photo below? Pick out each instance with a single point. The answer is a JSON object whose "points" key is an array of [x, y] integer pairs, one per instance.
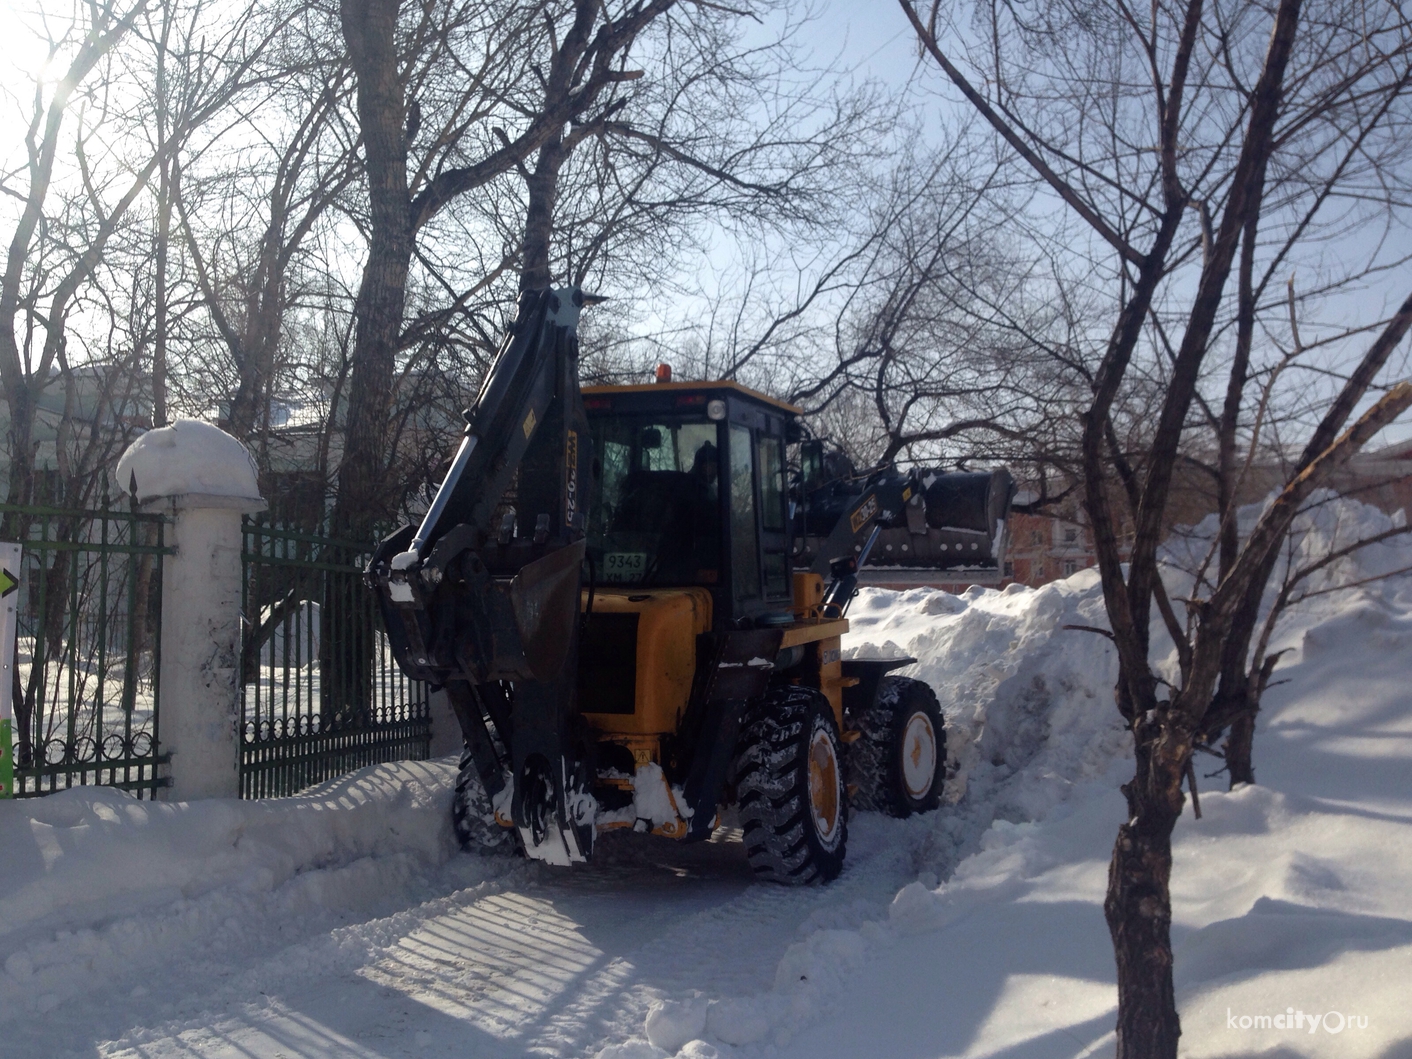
{"points": [[771, 458], [655, 518], [745, 555]]}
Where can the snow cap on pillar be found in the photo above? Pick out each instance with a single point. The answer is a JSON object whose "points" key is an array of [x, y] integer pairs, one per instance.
{"points": [[190, 459]]}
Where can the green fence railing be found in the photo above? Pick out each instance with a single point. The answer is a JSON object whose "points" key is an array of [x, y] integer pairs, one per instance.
{"points": [[88, 647], [321, 694]]}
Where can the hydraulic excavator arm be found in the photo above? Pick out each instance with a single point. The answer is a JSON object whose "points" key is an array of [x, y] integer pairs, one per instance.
{"points": [[483, 596], [850, 543]]}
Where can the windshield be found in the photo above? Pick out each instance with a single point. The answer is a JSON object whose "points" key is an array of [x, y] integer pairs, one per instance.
{"points": [[655, 520]]}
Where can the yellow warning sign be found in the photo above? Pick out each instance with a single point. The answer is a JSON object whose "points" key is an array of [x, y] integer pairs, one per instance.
{"points": [[866, 510]]}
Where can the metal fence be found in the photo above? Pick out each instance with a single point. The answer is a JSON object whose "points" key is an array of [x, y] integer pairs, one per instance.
{"points": [[321, 694], [88, 647]]}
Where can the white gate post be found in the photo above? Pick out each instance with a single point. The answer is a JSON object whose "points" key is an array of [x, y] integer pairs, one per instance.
{"points": [[205, 480]]}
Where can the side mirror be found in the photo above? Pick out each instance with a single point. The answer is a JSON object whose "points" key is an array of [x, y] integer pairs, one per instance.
{"points": [[651, 438]]}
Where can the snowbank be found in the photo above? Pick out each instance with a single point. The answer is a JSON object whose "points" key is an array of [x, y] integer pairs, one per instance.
{"points": [[94, 878], [185, 458], [1327, 523], [1290, 897], [1028, 702]]}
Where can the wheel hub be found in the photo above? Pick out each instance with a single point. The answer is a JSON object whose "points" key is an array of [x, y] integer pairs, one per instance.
{"points": [[918, 755], [825, 801]]}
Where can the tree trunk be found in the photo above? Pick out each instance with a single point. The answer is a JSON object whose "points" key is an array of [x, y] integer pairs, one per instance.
{"points": [[21, 484], [1239, 747], [164, 231], [1226, 475], [365, 502], [369, 29], [1138, 905], [543, 186], [255, 355], [159, 347]]}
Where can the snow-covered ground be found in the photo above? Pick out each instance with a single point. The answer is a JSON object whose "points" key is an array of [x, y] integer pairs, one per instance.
{"points": [[343, 922]]}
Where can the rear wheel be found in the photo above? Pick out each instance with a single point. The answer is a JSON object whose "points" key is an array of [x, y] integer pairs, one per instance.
{"points": [[898, 763], [789, 779], [473, 816]]}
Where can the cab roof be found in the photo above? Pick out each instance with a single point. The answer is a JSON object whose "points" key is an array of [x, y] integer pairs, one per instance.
{"points": [[677, 387]]}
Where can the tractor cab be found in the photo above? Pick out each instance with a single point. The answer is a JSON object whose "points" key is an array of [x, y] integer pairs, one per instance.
{"points": [[691, 493]]}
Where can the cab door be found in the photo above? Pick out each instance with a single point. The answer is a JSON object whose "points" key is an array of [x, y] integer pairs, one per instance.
{"points": [[757, 516]]}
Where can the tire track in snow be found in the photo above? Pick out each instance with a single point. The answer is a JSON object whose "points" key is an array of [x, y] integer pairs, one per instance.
{"points": [[534, 962]]}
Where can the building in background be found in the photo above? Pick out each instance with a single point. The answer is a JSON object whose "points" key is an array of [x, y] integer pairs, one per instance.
{"points": [[84, 417], [1047, 547], [1381, 477]]}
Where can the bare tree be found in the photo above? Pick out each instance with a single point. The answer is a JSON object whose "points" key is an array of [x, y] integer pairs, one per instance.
{"points": [[80, 203], [251, 198], [577, 134], [960, 346], [580, 57], [26, 368], [1164, 133]]}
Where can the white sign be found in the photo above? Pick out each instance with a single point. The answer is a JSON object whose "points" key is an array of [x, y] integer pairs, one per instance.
{"points": [[10, 555], [624, 566]]}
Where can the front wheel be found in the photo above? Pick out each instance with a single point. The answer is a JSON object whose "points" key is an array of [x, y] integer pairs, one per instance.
{"points": [[898, 763], [789, 779]]}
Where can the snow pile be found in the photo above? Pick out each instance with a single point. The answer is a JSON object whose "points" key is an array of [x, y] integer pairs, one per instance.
{"points": [[1327, 526], [1342, 558], [1289, 899], [94, 878], [1027, 698], [188, 457]]}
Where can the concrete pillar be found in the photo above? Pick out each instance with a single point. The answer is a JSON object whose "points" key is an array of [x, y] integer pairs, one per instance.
{"points": [[205, 480]]}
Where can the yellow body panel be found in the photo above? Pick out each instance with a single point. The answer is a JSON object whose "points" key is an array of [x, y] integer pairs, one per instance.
{"points": [[831, 678], [669, 620], [808, 594], [823, 664], [811, 630]]}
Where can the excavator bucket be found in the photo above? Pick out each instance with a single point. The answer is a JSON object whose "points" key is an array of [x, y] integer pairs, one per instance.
{"points": [[544, 597]]}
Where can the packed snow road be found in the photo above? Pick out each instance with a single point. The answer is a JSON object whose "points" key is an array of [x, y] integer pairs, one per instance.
{"points": [[514, 959]]}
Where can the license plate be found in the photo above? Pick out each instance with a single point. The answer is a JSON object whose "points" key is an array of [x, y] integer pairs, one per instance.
{"points": [[624, 566]]}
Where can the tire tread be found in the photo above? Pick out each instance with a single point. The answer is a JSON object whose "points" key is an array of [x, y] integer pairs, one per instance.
{"points": [[772, 785]]}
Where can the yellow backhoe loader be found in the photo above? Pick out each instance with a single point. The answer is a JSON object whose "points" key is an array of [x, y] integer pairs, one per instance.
{"points": [[634, 598]]}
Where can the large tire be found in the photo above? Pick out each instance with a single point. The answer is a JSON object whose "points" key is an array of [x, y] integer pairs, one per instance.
{"points": [[473, 817], [789, 782], [897, 765]]}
